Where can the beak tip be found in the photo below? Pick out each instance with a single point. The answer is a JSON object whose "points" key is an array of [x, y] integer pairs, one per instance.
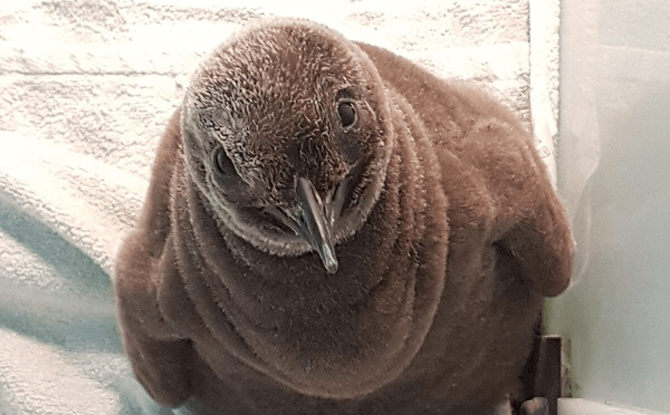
{"points": [[331, 266], [328, 258]]}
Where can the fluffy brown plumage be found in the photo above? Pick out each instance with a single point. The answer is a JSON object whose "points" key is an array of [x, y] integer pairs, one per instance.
{"points": [[330, 229]]}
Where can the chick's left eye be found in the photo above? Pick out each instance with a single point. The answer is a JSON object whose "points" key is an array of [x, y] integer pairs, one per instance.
{"points": [[223, 164]]}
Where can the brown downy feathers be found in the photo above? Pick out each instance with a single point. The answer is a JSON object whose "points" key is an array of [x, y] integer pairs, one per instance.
{"points": [[330, 229]]}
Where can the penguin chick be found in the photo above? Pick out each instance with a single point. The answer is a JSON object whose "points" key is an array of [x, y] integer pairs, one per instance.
{"points": [[330, 229]]}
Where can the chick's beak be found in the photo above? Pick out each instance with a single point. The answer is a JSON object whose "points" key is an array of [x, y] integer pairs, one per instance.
{"points": [[315, 225], [314, 217]]}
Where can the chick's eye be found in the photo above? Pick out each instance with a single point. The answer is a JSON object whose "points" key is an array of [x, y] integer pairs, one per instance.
{"points": [[223, 165], [347, 113]]}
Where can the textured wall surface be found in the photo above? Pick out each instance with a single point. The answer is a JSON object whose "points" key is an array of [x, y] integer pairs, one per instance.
{"points": [[86, 86]]}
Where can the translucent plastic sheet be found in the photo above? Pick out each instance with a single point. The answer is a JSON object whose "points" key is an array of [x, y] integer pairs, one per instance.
{"points": [[613, 173], [579, 145]]}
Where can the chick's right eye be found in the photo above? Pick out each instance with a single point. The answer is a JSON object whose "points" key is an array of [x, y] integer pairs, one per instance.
{"points": [[347, 113]]}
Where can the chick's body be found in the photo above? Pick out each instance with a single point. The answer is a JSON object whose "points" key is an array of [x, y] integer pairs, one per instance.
{"points": [[332, 230]]}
